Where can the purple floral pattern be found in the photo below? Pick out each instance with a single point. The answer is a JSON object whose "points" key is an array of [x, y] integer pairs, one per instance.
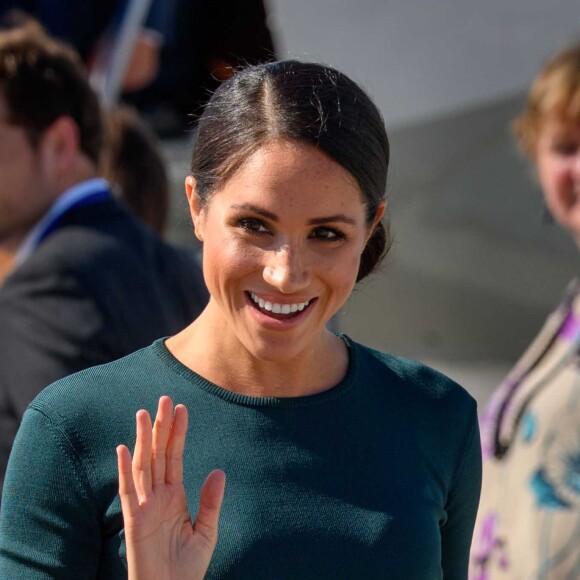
{"points": [[490, 547]]}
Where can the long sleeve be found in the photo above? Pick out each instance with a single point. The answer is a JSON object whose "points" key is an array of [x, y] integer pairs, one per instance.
{"points": [[461, 508], [49, 522]]}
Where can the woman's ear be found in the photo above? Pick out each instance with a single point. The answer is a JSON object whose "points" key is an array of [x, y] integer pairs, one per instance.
{"points": [[195, 206], [381, 208]]}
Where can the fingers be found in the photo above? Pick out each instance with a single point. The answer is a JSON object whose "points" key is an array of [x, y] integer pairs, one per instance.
{"points": [[158, 459], [174, 459], [210, 503], [127, 492], [142, 456], [161, 432], [158, 455]]}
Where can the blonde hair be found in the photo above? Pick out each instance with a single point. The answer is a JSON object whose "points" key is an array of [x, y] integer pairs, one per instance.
{"points": [[554, 94]]}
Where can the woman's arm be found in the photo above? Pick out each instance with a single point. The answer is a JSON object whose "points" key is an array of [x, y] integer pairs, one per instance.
{"points": [[162, 541], [50, 525], [461, 507]]}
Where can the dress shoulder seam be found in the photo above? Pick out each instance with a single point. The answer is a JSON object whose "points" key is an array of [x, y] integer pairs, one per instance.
{"points": [[67, 446]]}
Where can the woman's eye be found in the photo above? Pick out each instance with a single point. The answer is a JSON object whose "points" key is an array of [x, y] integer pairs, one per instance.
{"points": [[252, 225], [327, 234]]}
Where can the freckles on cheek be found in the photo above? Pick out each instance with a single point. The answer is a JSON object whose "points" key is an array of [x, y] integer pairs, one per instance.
{"points": [[344, 272], [229, 255], [241, 255]]}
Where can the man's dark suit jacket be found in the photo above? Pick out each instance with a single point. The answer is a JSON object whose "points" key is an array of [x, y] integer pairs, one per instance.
{"points": [[99, 287]]}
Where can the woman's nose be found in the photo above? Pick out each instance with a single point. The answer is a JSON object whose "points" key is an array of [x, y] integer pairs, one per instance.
{"points": [[286, 270]]}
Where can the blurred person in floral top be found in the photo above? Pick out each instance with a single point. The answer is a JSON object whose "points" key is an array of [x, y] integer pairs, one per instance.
{"points": [[529, 517]]}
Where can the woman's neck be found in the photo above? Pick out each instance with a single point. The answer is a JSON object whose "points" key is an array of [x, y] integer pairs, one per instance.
{"points": [[219, 356]]}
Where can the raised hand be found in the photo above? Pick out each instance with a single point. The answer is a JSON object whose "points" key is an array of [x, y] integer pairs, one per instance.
{"points": [[162, 541]]}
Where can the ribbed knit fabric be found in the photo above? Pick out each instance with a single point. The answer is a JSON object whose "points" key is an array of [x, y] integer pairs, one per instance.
{"points": [[377, 477]]}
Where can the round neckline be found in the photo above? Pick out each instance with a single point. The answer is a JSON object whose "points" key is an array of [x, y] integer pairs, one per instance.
{"points": [[345, 385]]}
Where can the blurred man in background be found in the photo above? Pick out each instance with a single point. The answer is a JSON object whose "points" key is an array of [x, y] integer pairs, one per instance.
{"points": [[85, 273]]}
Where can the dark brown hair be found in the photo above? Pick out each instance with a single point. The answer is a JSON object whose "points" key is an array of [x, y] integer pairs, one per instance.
{"points": [[297, 101], [41, 80]]}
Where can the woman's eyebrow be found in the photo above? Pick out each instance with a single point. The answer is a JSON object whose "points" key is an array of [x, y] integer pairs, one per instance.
{"points": [[254, 208], [340, 217]]}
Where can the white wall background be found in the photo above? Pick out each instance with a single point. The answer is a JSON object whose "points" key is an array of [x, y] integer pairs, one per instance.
{"points": [[425, 57]]}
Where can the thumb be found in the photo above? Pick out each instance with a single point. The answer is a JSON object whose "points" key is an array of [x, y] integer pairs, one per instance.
{"points": [[210, 503]]}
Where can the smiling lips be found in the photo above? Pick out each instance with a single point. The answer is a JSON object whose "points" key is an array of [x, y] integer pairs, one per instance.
{"points": [[275, 308]]}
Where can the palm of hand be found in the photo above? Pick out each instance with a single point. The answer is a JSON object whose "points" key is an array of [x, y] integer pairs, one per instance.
{"points": [[161, 540]]}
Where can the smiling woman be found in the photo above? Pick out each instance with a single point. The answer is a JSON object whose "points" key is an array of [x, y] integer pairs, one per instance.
{"points": [[286, 229], [342, 462]]}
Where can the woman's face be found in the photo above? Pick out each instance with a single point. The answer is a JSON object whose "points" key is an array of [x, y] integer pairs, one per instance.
{"points": [[282, 244], [558, 163]]}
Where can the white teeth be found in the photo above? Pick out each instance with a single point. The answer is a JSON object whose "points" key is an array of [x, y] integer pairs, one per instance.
{"points": [[278, 308]]}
